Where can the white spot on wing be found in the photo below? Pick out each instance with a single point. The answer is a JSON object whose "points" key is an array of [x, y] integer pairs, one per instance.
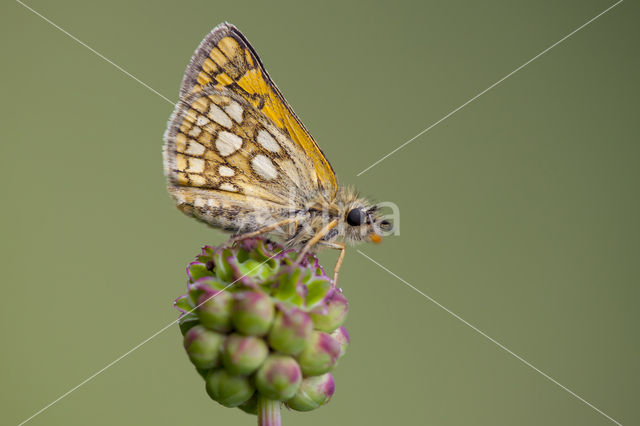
{"points": [[195, 148], [226, 171], [267, 141], [235, 111], [196, 165], [264, 167], [202, 120], [228, 143], [228, 187], [195, 131], [197, 180], [218, 115]]}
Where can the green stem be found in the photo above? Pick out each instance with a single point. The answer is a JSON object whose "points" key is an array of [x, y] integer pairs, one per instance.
{"points": [[268, 412]]}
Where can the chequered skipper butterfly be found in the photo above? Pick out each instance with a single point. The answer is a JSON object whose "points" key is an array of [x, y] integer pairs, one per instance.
{"points": [[238, 158]]}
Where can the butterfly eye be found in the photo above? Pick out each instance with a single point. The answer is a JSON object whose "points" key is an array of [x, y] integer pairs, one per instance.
{"points": [[355, 217]]}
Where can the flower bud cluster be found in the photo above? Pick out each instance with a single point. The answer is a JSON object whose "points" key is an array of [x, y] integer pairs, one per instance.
{"points": [[255, 322]]}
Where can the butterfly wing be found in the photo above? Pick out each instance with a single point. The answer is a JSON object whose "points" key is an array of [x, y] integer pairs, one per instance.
{"points": [[217, 141], [230, 166], [226, 59]]}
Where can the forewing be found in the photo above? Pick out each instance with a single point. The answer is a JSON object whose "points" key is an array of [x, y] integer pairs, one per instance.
{"points": [[218, 141], [226, 59]]}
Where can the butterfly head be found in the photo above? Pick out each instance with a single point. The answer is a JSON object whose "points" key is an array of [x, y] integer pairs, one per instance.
{"points": [[364, 222]]}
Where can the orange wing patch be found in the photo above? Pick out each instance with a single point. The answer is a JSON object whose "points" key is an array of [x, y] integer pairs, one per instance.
{"points": [[225, 58]]}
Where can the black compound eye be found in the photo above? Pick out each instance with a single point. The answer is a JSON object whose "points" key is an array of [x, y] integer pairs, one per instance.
{"points": [[355, 217]]}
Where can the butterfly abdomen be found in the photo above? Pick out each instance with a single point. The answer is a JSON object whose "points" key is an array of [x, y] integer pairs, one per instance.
{"points": [[227, 213]]}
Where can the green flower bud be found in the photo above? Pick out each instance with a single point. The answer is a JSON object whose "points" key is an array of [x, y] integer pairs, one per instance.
{"points": [[197, 270], [251, 406], [251, 297], [243, 354], [290, 331], [187, 322], [330, 315], [227, 389], [214, 308], [320, 355], [253, 313], [314, 391], [203, 346], [279, 377], [342, 337], [203, 372]]}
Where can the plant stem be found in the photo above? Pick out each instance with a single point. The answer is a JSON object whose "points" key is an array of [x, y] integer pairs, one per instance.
{"points": [[268, 412]]}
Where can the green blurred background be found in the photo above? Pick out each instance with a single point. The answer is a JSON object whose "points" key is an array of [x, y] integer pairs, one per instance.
{"points": [[520, 212]]}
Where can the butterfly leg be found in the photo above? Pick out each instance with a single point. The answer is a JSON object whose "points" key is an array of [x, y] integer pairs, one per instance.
{"points": [[343, 250], [313, 241], [264, 229]]}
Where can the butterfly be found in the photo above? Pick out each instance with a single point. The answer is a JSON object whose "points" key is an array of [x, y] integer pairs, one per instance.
{"points": [[238, 158]]}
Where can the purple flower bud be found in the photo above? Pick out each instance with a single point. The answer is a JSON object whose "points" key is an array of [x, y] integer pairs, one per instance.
{"points": [[203, 346], [313, 392], [290, 331], [320, 355], [214, 310], [279, 377], [330, 315], [243, 354], [252, 313], [227, 389], [342, 337]]}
